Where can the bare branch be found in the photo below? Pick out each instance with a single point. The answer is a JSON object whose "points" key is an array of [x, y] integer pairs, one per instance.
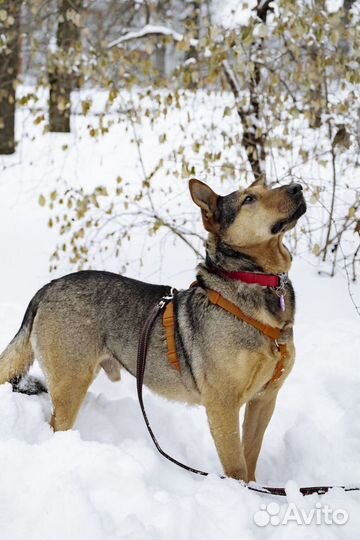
{"points": [[150, 30]]}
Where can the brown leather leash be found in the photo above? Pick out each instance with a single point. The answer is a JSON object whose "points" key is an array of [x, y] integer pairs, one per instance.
{"points": [[140, 372]]}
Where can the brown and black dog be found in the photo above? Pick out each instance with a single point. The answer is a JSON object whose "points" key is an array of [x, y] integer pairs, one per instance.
{"points": [[88, 321]]}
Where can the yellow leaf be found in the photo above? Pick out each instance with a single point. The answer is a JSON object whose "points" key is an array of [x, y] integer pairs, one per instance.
{"points": [[227, 111], [39, 119], [334, 37], [86, 106], [101, 191], [196, 146], [247, 35]]}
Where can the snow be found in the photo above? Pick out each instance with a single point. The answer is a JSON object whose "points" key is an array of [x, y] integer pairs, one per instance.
{"points": [[104, 480], [233, 13]]}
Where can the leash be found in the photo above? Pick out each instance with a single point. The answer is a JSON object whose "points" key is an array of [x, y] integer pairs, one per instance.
{"points": [[140, 372]]}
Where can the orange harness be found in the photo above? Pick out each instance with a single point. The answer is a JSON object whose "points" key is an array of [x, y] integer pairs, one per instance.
{"points": [[218, 300]]}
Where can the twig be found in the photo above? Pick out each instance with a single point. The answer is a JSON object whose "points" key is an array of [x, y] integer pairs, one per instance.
{"points": [[334, 178]]}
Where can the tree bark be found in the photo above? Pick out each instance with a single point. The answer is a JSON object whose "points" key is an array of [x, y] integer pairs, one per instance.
{"points": [[192, 25], [159, 15], [61, 75], [9, 64]]}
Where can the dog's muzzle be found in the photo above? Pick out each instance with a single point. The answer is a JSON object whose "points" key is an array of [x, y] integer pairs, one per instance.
{"points": [[295, 192]]}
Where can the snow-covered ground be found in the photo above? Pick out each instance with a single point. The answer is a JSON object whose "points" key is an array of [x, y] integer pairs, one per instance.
{"points": [[105, 480]]}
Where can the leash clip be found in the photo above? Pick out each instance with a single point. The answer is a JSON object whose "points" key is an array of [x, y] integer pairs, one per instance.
{"points": [[167, 297], [280, 291], [284, 279]]}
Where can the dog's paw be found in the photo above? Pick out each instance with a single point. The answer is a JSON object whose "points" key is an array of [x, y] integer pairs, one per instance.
{"points": [[238, 474]]}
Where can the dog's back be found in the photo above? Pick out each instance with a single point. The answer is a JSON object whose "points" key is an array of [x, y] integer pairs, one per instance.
{"points": [[75, 326]]}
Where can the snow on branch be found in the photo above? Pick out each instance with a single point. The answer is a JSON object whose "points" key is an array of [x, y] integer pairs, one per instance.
{"points": [[150, 30]]}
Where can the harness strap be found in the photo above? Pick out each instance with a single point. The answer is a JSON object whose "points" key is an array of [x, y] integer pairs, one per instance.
{"points": [[217, 299], [269, 331], [169, 322], [170, 326]]}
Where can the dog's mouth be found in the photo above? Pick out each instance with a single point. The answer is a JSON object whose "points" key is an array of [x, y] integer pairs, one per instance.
{"points": [[286, 224]]}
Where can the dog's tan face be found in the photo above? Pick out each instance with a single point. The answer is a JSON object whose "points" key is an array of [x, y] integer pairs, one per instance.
{"points": [[248, 218]]}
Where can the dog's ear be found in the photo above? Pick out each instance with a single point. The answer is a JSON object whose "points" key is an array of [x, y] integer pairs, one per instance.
{"points": [[259, 182], [206, 199]]}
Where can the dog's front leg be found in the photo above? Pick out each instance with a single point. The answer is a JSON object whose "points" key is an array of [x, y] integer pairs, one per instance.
{"points": [[223, 416], [257, 416]]}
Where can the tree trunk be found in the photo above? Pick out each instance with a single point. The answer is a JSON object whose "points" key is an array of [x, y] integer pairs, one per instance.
{"points": [[160, 60], [343, 43], [192, 25], [250, 117], [158, 13], [9, 63], [61, 75]]}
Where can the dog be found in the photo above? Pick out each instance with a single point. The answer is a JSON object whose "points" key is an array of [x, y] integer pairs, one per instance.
{"points": [[91, 320]]}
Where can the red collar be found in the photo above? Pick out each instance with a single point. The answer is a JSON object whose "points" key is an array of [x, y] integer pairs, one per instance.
{"points": [[266, 280]]}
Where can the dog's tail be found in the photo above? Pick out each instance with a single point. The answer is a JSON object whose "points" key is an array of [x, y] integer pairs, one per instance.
{"points": [[18, 356]]}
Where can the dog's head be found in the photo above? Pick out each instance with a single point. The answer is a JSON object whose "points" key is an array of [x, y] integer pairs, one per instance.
{"points": [[252, 217]]}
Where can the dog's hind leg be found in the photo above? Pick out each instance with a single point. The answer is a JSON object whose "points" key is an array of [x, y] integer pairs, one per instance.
{"points": [[67, 395], [70, 367]]}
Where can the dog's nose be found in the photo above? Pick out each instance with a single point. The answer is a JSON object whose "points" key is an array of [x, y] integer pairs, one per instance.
{"points": [[294, 190]]}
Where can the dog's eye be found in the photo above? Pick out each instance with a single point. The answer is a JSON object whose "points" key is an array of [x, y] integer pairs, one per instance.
{"points": [[249, 199]]}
